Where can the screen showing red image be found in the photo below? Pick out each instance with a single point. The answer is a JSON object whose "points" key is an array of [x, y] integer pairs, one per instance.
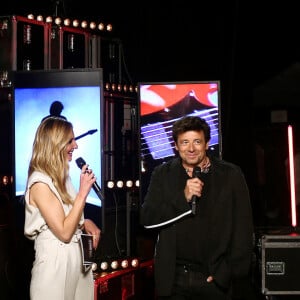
{"points": [[161, 104]]}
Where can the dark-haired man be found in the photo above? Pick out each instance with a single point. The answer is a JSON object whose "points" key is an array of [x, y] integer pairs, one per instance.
{"points": [[201, 207]]}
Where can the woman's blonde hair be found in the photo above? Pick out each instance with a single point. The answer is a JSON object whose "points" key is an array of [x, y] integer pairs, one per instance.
{"points": [[49, 155]]}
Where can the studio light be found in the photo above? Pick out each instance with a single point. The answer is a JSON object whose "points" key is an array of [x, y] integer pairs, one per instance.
{"points": [[124, 263], [135, 263], [129, 183], [84, 24], [101, 26], [109, 27], [5, 180], [110, 264], [67, 22], [94, 266], [93, 25], [104, 265], [75, 23], [58, 21], [49, 19], [114, 264], [110, 184], [40, 18], [120, 183]]}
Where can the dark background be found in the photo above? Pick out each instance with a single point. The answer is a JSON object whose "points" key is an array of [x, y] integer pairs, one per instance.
{"points": [[250, 46], [244, 44]]}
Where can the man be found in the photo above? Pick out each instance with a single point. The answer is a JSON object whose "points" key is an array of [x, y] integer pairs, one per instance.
{"points": [[201, 207]]}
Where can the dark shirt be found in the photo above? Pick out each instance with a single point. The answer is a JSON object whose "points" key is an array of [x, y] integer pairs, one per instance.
{"points": [[191, 232]]}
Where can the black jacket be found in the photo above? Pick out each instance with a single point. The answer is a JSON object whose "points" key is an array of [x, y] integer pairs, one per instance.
{"points": [[230, 231]]}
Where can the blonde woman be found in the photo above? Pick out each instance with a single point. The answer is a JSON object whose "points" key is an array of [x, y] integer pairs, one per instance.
{"points": [[54, 216]]}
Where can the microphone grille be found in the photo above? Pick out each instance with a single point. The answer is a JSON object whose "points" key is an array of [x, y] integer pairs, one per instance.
{"points": [[197, 172], [80, 162]]}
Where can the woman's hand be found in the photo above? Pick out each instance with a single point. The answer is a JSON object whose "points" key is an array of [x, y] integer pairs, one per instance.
{"points": [[91, 228], [87, 179]]}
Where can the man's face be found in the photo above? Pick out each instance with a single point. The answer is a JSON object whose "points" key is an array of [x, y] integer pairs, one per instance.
{"points": [[191, 147]]}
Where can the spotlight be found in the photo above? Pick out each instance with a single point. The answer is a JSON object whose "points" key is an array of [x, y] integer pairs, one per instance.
{"points": [[30, 17], [5, 180], [101, 26], [124, 263], [94, 266], [104, 266], [120, 183], [75, 23], [109, 27], [40, 18], [67, 22], [114, 264], [4, 25], [57, 21], [84, 24], [93, 25], [49, 19], [134, 263], [129, 183], [110, 184]]}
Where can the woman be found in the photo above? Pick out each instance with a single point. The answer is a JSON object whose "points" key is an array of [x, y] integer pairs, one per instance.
{"points": [[54, 216]]}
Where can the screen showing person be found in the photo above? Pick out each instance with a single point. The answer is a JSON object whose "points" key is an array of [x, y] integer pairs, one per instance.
{"points": [[72, 95]]}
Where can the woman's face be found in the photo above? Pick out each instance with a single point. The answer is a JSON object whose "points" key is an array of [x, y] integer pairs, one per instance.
{"points": [[71, 145]]}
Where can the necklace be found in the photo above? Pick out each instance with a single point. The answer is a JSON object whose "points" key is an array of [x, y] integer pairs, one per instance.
{"points": [[204, 168]]}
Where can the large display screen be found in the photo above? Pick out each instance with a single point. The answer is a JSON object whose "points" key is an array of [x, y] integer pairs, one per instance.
{"points": [[79, 93], [160, 105]]}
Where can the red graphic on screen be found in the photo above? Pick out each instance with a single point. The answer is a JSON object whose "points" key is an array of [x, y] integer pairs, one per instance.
{"points": [[157, 97]]}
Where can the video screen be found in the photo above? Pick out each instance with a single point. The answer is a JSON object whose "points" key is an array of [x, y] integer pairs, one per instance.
{"points": [[160, 105], [80, 95]]}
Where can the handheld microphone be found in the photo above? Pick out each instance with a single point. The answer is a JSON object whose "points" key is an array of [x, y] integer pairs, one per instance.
{"points": [[80, 163], [196, 173]]}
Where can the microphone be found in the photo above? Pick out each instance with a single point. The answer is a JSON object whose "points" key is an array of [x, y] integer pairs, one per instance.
{"points": [[196, 173], [80, 163]]}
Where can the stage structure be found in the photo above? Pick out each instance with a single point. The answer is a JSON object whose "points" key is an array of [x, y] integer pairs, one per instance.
{"points": [[54, 45]]}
